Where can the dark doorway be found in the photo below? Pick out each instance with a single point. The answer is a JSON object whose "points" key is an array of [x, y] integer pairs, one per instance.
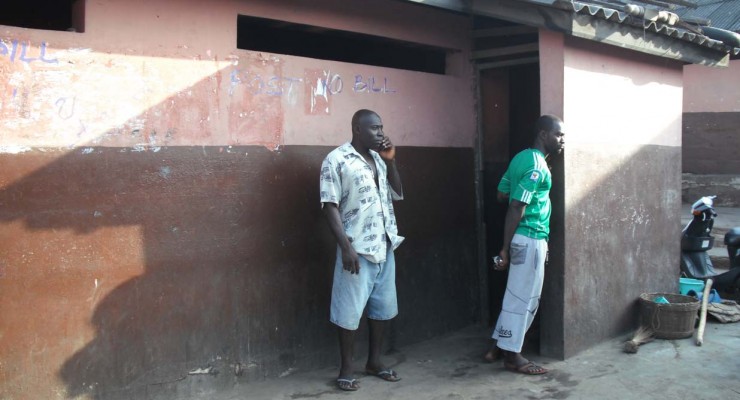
{"points": [[510, 103]]}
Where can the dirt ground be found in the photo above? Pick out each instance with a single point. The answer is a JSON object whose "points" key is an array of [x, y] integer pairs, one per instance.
{"points": [[452, 368]]}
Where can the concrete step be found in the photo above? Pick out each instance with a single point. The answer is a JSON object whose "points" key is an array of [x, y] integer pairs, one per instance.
{"points": [[720, 258], [725, 186]]}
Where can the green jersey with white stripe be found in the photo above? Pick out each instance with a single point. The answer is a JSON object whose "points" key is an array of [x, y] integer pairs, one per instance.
{"points": [[528, 180]]}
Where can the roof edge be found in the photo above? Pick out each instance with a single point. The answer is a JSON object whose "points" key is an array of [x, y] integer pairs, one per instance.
{"points": [[647, 41], [601, 25]]}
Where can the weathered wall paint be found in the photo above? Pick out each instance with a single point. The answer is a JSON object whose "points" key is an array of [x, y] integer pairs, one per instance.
{"points": [[711, 133], [122, 272], [109, 87], [709, 89], [710, 143], [159, 195], [725, 186], [552, 314], [623, 111], [552, 69], [711, 165], [620, 200]]}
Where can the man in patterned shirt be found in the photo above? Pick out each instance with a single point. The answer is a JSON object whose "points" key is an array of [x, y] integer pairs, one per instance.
{"points": [[526, 184], [358, 184]]}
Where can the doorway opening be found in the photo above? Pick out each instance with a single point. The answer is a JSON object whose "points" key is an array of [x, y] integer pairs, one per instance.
{"points": [[509, 88]]}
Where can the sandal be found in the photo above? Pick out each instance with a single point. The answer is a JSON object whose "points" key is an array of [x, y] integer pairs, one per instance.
{"points": [[348, 385], [529, 368], [386, 375]]}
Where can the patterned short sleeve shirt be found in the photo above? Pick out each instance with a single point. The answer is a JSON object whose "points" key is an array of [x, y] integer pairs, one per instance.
{"points": [[366, 209]]}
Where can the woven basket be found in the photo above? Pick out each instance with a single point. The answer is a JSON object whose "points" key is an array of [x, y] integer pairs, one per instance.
{"points": [[669, 321]]}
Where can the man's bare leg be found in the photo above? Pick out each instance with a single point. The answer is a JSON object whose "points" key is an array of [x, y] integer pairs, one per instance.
{"points": [[494, 353], [346, 351], [374, 366]]}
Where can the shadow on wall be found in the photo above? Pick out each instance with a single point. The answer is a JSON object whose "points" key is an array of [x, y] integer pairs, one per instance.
{"points": [[228, 267], [236, 270], [208, 265], [144, 263], [206, 259], [617, 239]]}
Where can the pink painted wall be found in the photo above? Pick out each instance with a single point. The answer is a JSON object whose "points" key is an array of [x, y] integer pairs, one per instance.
{"points": [[98, 86], [616, 188], [711, 133], [176, 70], [709, 89], [622, 185], [551, 72], [100, 143], [620, 98]]}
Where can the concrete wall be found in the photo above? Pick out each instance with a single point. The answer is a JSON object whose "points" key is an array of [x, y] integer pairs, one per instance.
{"points": [[711, 133], [159, 195], [616, 197]]}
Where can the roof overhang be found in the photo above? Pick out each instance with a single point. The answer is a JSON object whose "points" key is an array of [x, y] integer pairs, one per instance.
{"points": [[602, 25]]}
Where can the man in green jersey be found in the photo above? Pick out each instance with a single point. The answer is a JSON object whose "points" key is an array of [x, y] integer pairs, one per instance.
{"points": [[526, 184]]}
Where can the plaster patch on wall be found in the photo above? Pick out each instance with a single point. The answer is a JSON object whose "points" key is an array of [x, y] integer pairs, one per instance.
{"points": [[165, 172], [76, 97], [14, 149], [255, 108], [671, 197], [317, 92]]}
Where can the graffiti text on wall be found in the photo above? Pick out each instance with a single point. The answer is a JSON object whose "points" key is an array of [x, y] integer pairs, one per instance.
{"points": [[330, 83], [23, 52], [371, 85], [257, 84]]}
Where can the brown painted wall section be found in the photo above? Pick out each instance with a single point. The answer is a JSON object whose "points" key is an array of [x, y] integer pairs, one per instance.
{"points": [[711, 165], [620, 242], [710, 143], [123, 271], [711, 134]]}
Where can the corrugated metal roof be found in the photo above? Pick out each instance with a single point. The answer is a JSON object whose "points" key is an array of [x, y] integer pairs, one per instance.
{"points": [[542, 14], [621, 17], [724, 14]]}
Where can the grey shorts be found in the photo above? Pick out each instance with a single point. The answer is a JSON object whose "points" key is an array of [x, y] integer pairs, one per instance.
{"points": [[523, 289]]}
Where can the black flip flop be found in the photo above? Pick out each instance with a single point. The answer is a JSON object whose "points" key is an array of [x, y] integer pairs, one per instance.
{"points": [[348, 385], [388, 375]]}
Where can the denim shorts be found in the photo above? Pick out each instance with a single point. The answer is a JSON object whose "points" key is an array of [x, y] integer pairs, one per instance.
{"points": [[374, 286]]}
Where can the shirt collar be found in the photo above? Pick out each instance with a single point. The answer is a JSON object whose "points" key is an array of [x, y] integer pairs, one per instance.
{"points": [[537, 151], [351, 149]]}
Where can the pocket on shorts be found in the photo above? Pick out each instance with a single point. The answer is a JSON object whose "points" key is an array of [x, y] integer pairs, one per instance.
{"points": [[518, 253]]}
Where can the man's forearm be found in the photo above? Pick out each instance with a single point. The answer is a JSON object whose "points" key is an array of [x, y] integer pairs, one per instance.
{"points": [[335, 224], [394, 178], [514, 215]]}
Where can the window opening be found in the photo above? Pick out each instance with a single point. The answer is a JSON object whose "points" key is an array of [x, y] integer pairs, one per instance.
{"points": [[54, 15], [273, 36]]}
